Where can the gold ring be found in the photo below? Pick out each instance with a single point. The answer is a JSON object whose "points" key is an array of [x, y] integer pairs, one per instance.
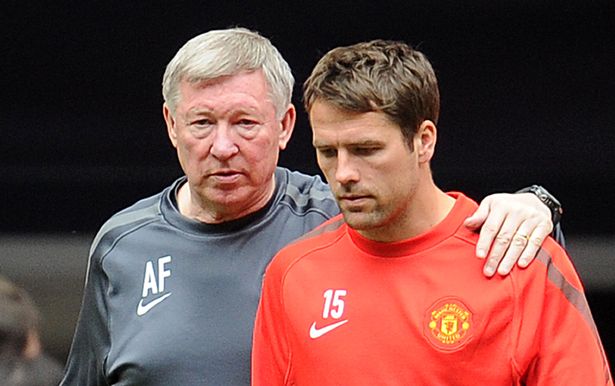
{"points": [[520, 240]]}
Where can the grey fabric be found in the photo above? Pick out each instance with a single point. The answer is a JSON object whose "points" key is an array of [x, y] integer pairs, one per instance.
{"points": [[204, 281]]}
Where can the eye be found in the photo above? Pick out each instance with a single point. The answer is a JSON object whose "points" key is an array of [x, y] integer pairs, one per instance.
{"points": [[201, 127], [364, 150], [201, 122], [247, 127], [247, 122], [327, 152]]}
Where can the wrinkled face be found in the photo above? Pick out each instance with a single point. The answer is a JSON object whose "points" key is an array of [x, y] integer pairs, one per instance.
{"points": [[228, 140], [369, 166]]}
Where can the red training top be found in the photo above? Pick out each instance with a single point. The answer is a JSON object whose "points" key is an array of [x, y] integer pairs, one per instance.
{"points": [[339, 309]]}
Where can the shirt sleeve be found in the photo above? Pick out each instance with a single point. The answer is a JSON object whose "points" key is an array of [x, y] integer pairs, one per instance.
{"points": [[86, 360], [558, 342], [270, 351]]}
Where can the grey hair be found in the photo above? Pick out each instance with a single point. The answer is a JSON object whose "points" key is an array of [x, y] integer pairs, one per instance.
{"points": [[227, 52]]}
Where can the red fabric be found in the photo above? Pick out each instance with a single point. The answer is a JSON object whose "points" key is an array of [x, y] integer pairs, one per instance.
{"points": [[421, 312]]}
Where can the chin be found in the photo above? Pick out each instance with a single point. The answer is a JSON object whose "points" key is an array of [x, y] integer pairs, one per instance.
{"points": [[360, 222], [232, 199]]}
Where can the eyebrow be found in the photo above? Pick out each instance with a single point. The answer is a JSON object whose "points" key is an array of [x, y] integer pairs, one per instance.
{"points": [[198, 111], [365, 142], [241, 110]]}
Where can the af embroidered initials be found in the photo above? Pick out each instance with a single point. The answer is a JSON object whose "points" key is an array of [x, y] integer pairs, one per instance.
{"points": [[334, 308], [153, 281]]}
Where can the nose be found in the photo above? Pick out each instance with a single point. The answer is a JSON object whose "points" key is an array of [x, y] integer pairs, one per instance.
{"points": [[346, 171], [223, 146]]}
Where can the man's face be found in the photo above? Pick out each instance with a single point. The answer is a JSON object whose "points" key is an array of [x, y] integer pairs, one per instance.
{"points": [[228, 141], [369, 166]]}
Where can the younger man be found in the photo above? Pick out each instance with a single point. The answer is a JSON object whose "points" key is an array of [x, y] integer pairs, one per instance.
{"points": [[390, 292]]}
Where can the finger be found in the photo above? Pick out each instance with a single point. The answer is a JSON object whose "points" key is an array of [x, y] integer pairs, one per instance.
{"points": [[538, 237], [500, 244], [489, 232], [477, 219], [520, 242]]}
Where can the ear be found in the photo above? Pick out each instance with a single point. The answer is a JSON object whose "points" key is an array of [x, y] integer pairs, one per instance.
{"points": [[427, 136], [287, 126], [171, 126]]}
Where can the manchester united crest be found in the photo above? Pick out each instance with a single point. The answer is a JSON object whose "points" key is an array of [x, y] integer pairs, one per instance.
{"points": [[448, 324]]}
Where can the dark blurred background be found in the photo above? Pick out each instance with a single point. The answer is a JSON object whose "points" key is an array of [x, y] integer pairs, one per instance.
{"points": [[528, 96]]}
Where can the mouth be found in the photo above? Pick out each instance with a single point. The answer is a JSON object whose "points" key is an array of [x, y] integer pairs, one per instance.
{"points": [[226, 175], [353, 200]]}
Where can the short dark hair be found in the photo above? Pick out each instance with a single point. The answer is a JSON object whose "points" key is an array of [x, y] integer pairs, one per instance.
{"points": [[382, 76]]}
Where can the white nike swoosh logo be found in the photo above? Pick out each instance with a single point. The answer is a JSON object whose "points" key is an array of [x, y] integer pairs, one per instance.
{"points": [[318, 332], [144, 309]]}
